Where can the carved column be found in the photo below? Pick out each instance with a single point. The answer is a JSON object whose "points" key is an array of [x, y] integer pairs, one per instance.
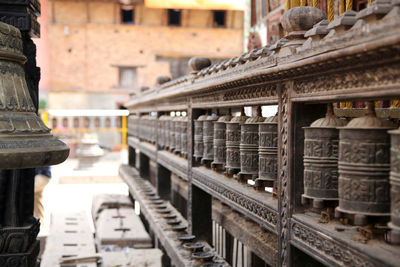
{"points": [[23, 227]]}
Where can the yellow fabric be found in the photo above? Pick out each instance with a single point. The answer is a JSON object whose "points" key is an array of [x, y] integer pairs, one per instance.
{"points": [[197, 4], [40, 183]]}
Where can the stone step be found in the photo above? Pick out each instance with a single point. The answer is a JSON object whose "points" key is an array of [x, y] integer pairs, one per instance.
{"points": [[122, 228], [70, 236]]}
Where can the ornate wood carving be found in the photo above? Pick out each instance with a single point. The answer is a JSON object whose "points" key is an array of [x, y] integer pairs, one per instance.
{"points": [[283, 183], [266, 214], [376, 76], [331, 249]]}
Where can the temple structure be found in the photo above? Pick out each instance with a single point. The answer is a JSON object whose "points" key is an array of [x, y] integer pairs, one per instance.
{"points": [[316, 184]]}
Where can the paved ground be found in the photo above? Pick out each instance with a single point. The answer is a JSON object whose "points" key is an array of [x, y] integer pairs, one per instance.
{"points": [[72, 190]]}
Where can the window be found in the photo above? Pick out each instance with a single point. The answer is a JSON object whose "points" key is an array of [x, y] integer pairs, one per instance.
{"points": [[127, 14], [219, 18], [174, 17], [127, 77]]}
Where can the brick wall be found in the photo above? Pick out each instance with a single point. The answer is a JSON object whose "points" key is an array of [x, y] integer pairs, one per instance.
{"points": [[87, 46]]}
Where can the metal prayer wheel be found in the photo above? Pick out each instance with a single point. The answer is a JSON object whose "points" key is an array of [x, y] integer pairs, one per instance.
{"points": [[162, 121], [178, 134], [133, 125], [167, 134], [184, 141], [249, 142], [268, 151], [198, 137], [153, 129], [395, 184], [220, 142], [208, 139], [144, 127], [321, 145], [172, 124], [233, 144], [25, 141], [364, 165]]}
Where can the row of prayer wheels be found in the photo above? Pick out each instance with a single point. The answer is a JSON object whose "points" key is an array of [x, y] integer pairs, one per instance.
{"points": [[167, 131], [246, 146], [354, 165]]}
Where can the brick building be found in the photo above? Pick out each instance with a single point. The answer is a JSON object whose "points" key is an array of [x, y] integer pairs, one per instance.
{"points": [[99, 50]]}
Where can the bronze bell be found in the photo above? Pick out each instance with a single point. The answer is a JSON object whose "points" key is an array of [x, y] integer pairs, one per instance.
{"points": [[364, 164], [198, 137], [321, 145], [395, 186], [233, 144], [267, 153], [25, 141], [220, 143], [249, 141], [208, 139], [184, 143], [178, 134]]}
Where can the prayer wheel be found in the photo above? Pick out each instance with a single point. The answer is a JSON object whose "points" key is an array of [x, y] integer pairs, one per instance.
{"points": [[133, 125], [162, 129], [267, 152], [25, 140], [395, 185], [208, 139], [178, 134], [321, 145], [220, 142], [249, 142], [184, 139], [364, 165], [198, 137], [152, 129], [167, 131], [172, 141], [233, 144]]}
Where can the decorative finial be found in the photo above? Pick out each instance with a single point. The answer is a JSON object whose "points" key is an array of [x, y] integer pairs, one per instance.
{"points": [[162, 79], [199, 63]]}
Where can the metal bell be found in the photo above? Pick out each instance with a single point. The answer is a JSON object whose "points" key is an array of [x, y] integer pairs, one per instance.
{"points": [[25, 141]]}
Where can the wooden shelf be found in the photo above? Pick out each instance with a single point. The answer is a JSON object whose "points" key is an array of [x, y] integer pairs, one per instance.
{"points": [[258, 206], [339, 248], [146, 148], [174, 163]]}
